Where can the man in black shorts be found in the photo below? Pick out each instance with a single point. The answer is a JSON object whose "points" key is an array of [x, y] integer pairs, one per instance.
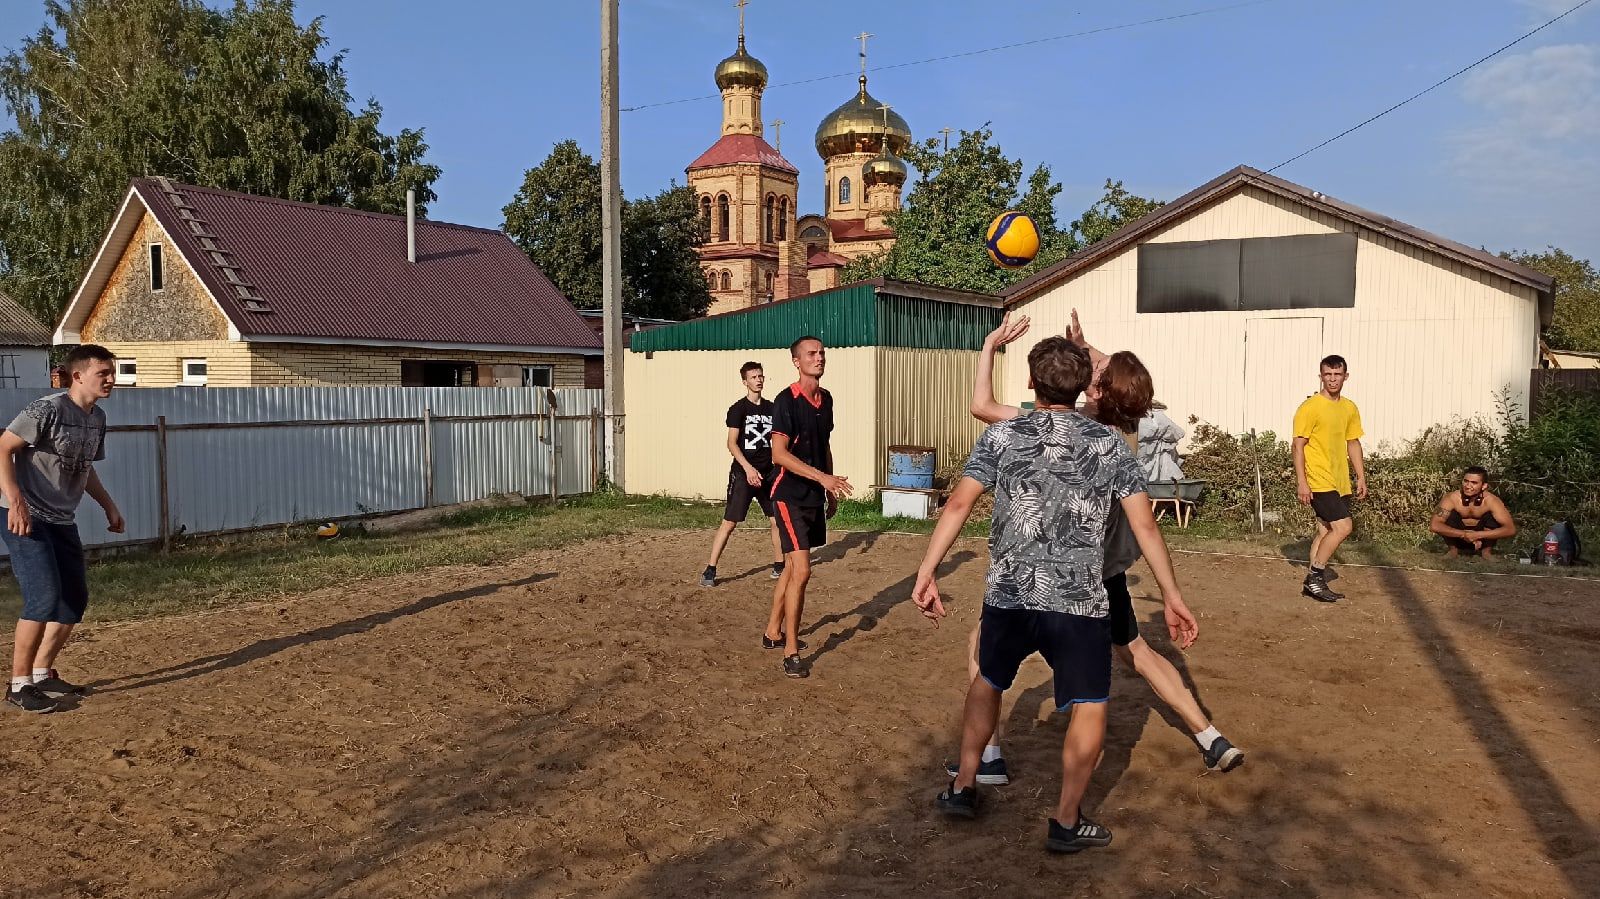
{"points": [[1327, 445], [749, 479], [1056, 476], [805, 493]]}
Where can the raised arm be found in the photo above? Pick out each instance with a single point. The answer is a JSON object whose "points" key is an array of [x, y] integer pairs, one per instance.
{"points": [[985, 407], [1097, 359]]}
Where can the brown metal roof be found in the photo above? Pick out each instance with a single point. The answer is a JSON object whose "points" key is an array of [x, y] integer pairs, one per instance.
{"points": [[1244, 176], [283, 270], [18, 327], [732, 149]]}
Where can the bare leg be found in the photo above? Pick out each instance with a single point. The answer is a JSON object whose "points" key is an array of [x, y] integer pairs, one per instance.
{"points": [[1323, 550], [1486, 552], [796, 573], [978, 717], [780, 588], [1165, 680], [1452, 552], [1079, 753], [777, 546], [724, 531], [972, 675], [1316, 542], [55, 637], [30, 634]]}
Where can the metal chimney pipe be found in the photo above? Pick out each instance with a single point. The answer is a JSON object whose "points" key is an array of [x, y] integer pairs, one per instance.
{"points": [[411, 224]]}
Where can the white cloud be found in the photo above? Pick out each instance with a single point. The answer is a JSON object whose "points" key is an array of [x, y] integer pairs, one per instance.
{"points": [[1552, 93], [1548, 8]]}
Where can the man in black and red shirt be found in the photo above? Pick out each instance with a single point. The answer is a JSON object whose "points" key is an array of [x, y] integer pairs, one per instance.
{"points": [[749, 424], [805, 493]]}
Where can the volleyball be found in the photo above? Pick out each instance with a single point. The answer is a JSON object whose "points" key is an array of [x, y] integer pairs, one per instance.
{"points": [[328, 531], [1013, 240]]}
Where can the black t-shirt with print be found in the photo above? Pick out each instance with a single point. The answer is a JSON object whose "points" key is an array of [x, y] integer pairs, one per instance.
{"points": [[808, 427], [754, 421]]}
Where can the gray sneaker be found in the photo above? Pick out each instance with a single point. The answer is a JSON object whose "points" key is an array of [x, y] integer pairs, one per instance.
{"points": [[708, 578], [54, 687], [30, 698]]}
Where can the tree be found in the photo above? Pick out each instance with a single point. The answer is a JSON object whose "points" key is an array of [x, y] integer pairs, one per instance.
{"points": [[237, 99], [660, 265], [957, 193], [1114, 209], [1577, 313], [555, 219]]}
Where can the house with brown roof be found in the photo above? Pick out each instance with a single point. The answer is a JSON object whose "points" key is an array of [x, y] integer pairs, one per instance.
{"points": [[202, 287], [24, 346], [1233, 292]]}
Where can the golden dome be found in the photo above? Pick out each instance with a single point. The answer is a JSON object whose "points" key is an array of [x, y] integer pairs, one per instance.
{"points": [[857, 127], [884, 169], [741, 69]]}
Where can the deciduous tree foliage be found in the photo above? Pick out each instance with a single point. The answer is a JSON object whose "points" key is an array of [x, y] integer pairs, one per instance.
{"points": [[555, 219], [939, 235], [238, 98], [1577, 314]]}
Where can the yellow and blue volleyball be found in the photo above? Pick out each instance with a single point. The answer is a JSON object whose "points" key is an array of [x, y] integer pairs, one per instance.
{"points": [[1013, 240]]}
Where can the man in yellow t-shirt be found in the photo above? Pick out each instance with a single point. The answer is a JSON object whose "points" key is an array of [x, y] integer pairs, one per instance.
{"points": [[1327, 444]]}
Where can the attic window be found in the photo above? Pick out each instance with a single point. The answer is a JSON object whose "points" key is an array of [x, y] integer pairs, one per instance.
{"points": [[157, 279]]}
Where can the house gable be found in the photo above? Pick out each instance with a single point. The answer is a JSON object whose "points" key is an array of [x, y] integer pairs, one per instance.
{"points": [[129, 309]]}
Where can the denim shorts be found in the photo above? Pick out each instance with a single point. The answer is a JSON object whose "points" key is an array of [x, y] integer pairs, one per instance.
{"points": [[49, 567]]}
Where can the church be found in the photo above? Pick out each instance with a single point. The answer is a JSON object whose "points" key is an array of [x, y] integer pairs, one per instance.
{"points": [[758, 247]]}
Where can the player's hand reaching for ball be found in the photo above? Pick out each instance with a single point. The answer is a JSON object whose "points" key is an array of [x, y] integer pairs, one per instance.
{"points": [[1075, 331], [926, 596], [1008, 331], [1181, 624]]}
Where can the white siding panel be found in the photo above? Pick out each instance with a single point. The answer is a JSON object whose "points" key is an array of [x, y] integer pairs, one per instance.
{"points": [[1416, 315]]}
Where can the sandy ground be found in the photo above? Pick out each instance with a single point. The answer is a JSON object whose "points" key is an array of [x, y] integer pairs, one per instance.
{"points": [[589, 722]]}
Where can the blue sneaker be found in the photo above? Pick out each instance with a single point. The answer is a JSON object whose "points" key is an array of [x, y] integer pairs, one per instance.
{"points": [[990, 774]]}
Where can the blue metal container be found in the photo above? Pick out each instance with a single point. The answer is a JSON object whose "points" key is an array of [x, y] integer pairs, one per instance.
{"points": [[911, 467]]}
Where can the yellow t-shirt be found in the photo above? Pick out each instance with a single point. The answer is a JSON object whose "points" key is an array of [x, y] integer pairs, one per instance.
{"points": [[1327, 426]]}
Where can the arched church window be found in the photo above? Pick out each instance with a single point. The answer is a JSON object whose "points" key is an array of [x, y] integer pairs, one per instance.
{"points": [[711, 279], [705, 216], [722, 218], [783, 218], [771, 209], [844, 190], [769, 287], [727, 280]]}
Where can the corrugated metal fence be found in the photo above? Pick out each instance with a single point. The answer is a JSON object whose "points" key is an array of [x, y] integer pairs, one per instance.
{"points": [[207, 461], [1545, 381]]}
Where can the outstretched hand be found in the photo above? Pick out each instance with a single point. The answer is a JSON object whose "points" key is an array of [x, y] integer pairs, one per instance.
{"points": [[1075, 331], [1008, 331], [926, 595]]}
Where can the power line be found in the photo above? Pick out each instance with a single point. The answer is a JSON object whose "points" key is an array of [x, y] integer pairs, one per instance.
{"points": [[967, 53], [1430, 87]]}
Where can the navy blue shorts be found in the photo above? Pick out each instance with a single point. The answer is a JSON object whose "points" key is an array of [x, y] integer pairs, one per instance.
{"points": [[49, 567], [1077, 648]]}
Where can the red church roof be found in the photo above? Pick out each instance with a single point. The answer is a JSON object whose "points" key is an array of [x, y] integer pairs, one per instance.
{"points": [[825, 259], [856, 229], [737, 148]]}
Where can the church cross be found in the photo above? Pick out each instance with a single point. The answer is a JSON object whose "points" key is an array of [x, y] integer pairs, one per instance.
{"points": [[777, 135], [741, 4], [862, 37]]}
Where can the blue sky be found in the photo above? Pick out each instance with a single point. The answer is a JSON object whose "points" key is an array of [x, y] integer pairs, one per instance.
{"points": [[1504, 157]]}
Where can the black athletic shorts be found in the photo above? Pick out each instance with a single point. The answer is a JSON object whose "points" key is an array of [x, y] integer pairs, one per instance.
{"points": [[1124, 627], [740, 493], [1487, 523], [1077, 648], [801, 528], [1330, 506]]}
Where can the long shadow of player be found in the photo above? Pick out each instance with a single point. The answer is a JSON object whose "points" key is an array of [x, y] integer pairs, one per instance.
{"points": [[861, 541], [868, 613]]}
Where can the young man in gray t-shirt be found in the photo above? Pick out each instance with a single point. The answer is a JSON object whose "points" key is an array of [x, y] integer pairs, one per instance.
{"points": [[47, 457]]}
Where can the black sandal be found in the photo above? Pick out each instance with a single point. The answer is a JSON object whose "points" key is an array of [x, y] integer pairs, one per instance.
{"points": [[768, 643]]}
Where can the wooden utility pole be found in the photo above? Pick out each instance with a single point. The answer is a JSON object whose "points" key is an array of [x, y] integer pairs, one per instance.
{"points": [[611, 241]]}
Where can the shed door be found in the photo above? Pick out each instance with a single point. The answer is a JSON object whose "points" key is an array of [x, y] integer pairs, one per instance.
{"points": [[1280, 371]]}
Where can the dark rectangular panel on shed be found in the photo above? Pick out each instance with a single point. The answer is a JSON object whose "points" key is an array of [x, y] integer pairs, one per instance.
{"points": [[1191, 276], [1304, 271]]}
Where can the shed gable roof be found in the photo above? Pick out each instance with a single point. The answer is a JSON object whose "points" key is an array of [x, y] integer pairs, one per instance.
{"points": [[1202, 197], [18, 327], [281, 270]]}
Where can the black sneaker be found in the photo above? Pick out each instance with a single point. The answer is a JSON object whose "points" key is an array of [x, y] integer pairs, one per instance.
{"points": [[30, 698], [1086, 835], [708, 578], [54, 687], [794, 666], [1222, 756], [769, 643], [958, 803], [1318, 589], [990, 774], [777, 570]]}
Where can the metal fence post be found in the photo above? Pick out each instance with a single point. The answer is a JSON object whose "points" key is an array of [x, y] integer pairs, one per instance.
{"points": [[427, 457], [161, 482], [555, 447], [596, 435]]}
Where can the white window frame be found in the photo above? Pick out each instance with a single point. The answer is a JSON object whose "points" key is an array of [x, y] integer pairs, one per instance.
{"points": [[130, 377], [550, 375], [150, 261], [192, 380]]}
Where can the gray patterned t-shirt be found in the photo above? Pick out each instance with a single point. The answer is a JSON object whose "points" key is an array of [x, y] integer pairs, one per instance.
{"points": [[64, 442], [1055, 476]]}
